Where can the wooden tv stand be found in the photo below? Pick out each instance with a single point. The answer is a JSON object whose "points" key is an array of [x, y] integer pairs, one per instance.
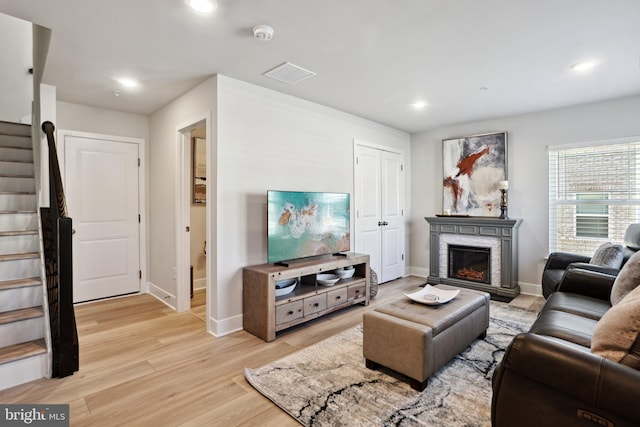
{"points": [[264, 314]]}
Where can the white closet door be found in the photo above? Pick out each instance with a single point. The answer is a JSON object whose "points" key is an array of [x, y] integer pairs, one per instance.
{"points": [[392, 216], [101, 185], [379, 203]]}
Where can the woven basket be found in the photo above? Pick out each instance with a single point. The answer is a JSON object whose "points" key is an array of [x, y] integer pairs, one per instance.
{"points": [[373, 287]]}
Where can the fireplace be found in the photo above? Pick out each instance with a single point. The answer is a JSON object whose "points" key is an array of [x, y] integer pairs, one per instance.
{"points": [[484, 254], [470, 263]]}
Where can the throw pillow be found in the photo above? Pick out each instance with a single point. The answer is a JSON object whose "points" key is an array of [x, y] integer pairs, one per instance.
{"points": [[608, 255], [617, 333], [627, 280]]}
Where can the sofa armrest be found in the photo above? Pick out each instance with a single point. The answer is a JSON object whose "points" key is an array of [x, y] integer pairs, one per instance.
{"points": [[561, 260], [570, 377], [596, 268], [588, 283]]}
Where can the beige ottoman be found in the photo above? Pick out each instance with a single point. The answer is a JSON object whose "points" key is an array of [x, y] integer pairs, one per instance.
{"points": [[417, 339]]}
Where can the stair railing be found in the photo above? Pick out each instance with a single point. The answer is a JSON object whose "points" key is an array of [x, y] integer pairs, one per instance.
{"points": [[57, 236]]}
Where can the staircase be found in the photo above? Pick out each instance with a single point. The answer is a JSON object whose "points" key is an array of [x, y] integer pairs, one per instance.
{"points": [[23, 350]]}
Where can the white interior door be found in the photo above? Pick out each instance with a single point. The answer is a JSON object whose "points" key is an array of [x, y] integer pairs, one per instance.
{"points": [[379, 207], [368, 206], [392, 215], [101, 185]]}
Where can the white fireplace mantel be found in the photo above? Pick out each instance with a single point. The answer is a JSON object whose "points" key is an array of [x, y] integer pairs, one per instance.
{"points": [[498, 234]]}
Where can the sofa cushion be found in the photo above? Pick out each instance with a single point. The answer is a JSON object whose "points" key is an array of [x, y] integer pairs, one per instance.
{"points": [[580, 305], [608, 255], [617, 334], [565, 326], [627, 280]]}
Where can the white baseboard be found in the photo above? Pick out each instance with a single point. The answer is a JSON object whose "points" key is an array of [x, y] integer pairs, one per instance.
{"points": [[163, 295], [199, 283], [530, 289], [220, 328], [419, 271]]}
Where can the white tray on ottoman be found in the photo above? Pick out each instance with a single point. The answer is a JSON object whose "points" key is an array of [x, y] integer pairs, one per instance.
{"points": [[416, 340]]}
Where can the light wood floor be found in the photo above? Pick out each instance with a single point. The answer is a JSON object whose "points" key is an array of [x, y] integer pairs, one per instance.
{"points": [[142, 364]]}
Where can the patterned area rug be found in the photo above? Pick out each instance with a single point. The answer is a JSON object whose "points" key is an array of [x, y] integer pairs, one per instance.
{"points": [[327, 384]]}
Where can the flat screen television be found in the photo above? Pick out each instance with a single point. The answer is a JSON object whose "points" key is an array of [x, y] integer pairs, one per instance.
{"points": [[306, 224]]}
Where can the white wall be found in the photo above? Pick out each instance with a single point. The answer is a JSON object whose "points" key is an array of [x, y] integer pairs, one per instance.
{"points": [[163, 158], [16, 84], [528, 138], [264, 140], [83, 118]]}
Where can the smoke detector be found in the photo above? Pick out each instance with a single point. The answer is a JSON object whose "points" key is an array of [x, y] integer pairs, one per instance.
{"points": [[263, 33]]}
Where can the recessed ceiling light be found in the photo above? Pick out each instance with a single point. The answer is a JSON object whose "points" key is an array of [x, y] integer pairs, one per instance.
{"points": [[419, 105], [203, 6], [583, 66], [128, 82]]}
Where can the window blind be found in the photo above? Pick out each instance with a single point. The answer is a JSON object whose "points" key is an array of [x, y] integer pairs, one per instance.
{"points": [[594, 194]]}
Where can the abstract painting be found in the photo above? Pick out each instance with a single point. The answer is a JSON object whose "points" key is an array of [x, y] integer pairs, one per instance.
{"points": [[473, 166]]}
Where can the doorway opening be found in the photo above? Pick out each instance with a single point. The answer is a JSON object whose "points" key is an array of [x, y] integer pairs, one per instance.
{"points": [[198, 222], [194, 207]]}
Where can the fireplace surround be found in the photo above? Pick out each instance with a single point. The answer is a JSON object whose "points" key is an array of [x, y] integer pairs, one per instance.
{"points": [[491, 245]]}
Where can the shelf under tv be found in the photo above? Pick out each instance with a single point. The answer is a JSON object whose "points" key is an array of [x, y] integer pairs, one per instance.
{"points": [[264, 314]]}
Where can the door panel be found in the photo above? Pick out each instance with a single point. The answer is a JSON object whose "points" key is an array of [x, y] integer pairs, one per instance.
{"points": [[392, 215], [368, 206], [101, 183]]}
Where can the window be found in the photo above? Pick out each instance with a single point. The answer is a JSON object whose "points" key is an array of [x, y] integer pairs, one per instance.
{"points": [[594, 194], [592, 220]]}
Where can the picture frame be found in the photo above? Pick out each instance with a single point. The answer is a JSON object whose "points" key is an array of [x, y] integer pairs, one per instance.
{"points": [[473, 167], [199, 171]]}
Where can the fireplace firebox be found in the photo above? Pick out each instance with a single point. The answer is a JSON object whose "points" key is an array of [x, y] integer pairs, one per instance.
{"points": [[470, 263]]}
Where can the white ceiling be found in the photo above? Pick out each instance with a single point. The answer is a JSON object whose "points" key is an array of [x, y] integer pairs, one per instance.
{"points": [[372, 57]]}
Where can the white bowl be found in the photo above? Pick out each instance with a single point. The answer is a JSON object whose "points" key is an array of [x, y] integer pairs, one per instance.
{"points": [[327, 279], [345, 273], [286, 286]]}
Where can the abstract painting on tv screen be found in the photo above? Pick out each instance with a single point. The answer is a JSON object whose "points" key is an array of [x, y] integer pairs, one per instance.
{"points": [[304, 224], [473, 166]]}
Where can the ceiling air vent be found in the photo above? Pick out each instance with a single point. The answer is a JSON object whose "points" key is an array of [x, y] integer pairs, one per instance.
{"points": [[289, 73]]}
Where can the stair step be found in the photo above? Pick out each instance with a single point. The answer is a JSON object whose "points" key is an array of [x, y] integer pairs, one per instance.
{"points": [[20, 268], [16, 298], [17, 183], [16, 168], [21, 325], [20, 283], [18, 233], [18, 221], [11, 128], [18, 141], [15, 175], [16, 257], [22, 351], [20, 202], [16, 154], [23, 370], [21, 314]]}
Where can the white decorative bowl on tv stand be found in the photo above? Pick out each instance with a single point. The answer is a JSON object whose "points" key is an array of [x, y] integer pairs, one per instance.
{"points": [[264, 314]]}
